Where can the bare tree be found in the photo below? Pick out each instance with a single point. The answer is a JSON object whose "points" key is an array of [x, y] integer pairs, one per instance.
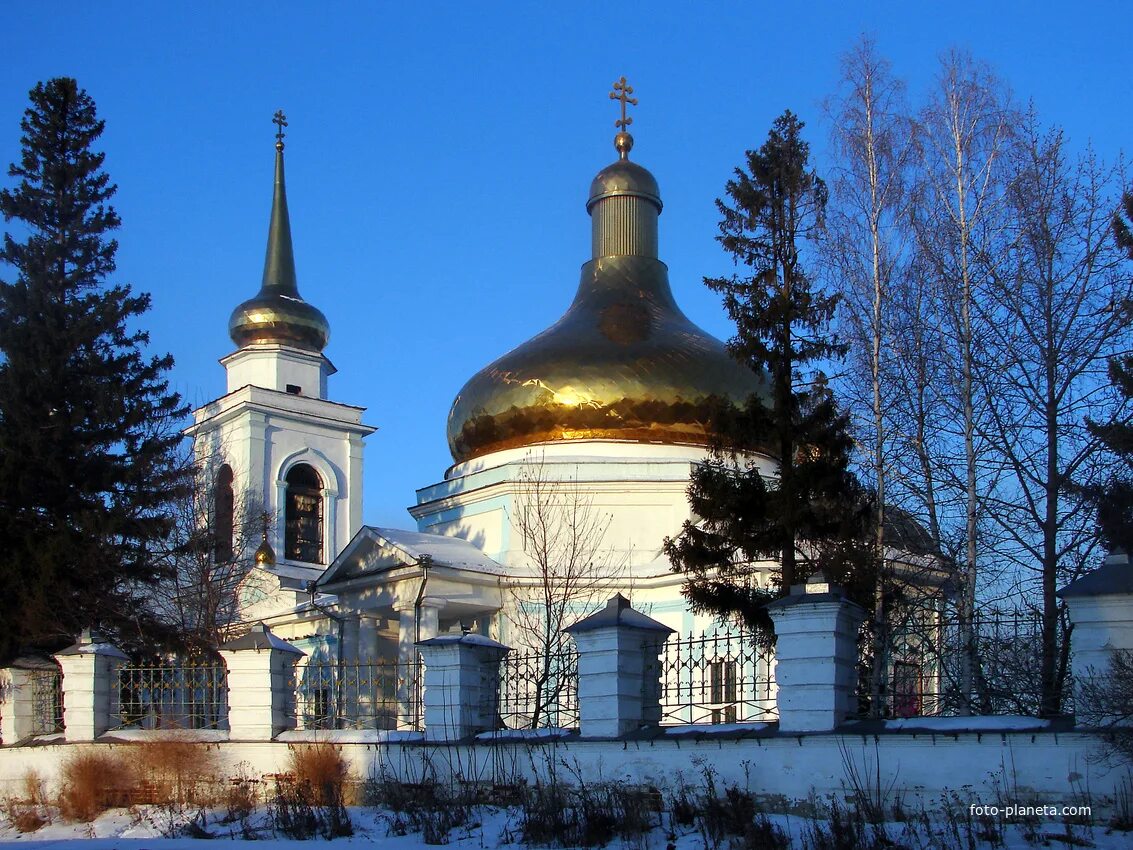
{"points": [[210, 555], [1105, 703], [1054, 319], [572, 572], [965, 131], [868, 248]]}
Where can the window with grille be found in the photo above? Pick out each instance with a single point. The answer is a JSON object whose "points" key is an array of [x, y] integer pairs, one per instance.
{"points": [[303, 538], [722, 681], [224, 504]]}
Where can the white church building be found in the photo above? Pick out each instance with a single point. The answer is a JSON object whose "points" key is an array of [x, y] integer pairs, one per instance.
{"points": [[599, 419]]}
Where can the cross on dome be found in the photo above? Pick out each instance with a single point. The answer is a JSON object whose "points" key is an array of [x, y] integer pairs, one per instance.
{"points": [[623, 141], [280, 120]]}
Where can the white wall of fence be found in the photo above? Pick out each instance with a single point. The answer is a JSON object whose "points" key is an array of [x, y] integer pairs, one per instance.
{"points": [[255, 702]]}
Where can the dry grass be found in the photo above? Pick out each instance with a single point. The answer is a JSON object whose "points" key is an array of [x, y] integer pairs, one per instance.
{"points": [[29, 812], [322, 768], [177, 771], [93, 782]]}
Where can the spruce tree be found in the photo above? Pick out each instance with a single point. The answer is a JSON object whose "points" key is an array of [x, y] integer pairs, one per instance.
{"points": [[1114, 501], [88, 425], [813, 515]]}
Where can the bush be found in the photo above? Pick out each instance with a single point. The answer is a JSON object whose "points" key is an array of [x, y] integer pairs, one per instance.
{"points": [[177, 771], [587, 815], [323, 769], [29, 812], [311, 799], [93, 782]]}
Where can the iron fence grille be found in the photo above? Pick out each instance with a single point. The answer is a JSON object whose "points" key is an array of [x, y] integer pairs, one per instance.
{"points": [[359, 695], [923, 667], [47, 701], [176, 694], [722, 677], [537, 690]]}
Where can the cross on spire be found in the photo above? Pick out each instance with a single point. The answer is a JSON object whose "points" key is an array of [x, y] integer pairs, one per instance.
{"points": [[622, 92], [280, 120]]}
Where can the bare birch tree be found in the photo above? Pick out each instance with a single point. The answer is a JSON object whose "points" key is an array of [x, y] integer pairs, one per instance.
{"points": [[965, 131], [867, 248], [572, 573], [209, 556], [1055, 320]]}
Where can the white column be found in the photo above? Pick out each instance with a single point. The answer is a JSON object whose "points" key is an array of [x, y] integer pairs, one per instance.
{"points": [[816, 655], [90, 686], [369, 629], [417, 622], [618, 674], [461, 685], [1100, 605], [260, 677], [17, 705]]}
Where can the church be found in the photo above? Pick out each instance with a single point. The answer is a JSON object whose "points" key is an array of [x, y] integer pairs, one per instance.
{"points": [[571, 455]]}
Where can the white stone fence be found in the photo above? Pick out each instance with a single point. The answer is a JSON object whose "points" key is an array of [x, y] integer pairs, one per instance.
{"points": [[620, 674]]}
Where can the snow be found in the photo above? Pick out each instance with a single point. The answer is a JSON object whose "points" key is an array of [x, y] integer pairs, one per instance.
{"points": [[350, 736], [525, 734], [718, 729], [143, 828], [203, 736], [999, 723]]}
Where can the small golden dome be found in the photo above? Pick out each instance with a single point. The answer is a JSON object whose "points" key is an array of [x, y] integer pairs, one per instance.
{"points": [[624, 179], [270, 317]]}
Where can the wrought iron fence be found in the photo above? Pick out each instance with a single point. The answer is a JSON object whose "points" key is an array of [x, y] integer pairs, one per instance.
{"points": [[926, 655], [537, 690], [47, 701], [359, 695], [722, 677], [174, 694]]}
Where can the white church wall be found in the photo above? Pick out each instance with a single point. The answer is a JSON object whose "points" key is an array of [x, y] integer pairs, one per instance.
{"points": [[640, 487]]}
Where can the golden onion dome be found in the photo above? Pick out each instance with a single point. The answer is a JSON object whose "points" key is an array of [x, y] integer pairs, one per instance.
{"points": [[277, 313], [623, 363]]}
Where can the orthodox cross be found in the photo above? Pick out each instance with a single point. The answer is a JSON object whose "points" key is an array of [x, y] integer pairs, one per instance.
{"points": [[622, 92], [280, 120]]}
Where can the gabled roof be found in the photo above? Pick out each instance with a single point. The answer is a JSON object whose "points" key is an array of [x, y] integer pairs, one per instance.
{"points": [[1113, 577], [375, 550]]}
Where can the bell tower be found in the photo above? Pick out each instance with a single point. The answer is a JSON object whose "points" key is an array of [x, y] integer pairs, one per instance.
{"points": [[275, 437]]}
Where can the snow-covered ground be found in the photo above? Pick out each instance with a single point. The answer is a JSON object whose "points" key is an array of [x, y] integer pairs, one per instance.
{"points": [[145, 828]]}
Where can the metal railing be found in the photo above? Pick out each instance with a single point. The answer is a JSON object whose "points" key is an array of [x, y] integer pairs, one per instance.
{"points": [[359, 695], [536, 690], [47, 701], [722, 677], [174, 694], [923, 670]]}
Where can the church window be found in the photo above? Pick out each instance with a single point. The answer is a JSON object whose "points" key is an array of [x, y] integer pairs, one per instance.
{"points": [[224, 503], [303, 520]]}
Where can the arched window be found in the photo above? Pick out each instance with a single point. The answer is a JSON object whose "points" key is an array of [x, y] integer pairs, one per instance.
{"points": [[224, 503], [303, 516]]}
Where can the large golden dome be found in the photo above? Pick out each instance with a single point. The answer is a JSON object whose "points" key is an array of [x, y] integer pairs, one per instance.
{"points": [[277, 313], [623, 363]]}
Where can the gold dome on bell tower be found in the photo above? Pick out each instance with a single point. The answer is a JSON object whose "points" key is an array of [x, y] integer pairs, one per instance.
{"points": [[277, 313], [623, 363]]}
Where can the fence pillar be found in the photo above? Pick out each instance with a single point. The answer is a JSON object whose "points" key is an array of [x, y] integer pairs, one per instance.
{"points": [[18, 720], [462, 689], [1100, 605], [260, 696], [90, 686], [816, 655], [619, 686]]}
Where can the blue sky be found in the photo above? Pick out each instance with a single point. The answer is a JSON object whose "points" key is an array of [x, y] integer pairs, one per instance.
{"points": [[439, 156]]}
